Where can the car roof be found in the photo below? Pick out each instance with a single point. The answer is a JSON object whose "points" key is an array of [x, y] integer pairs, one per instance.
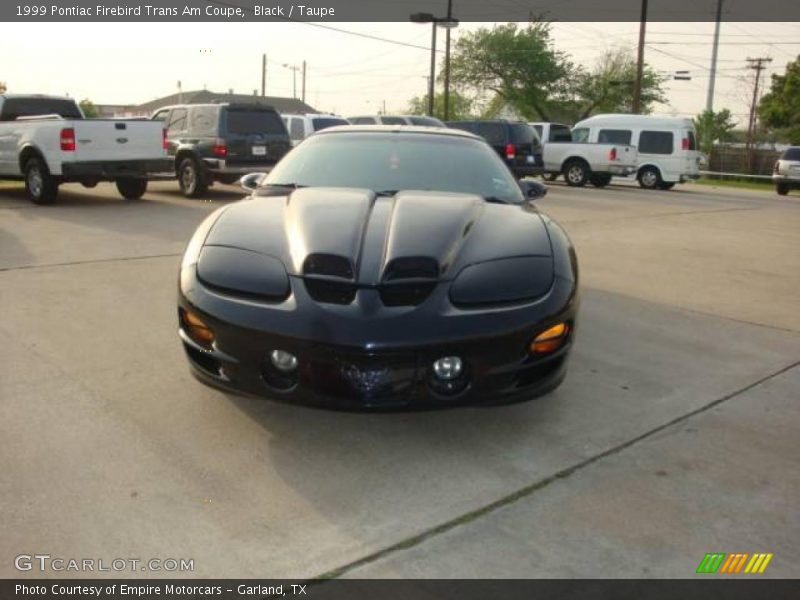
{"points": [[416, 129], [46, 96], [637, 120]]}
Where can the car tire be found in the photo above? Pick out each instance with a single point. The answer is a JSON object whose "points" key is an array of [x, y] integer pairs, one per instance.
{"points": [[650, 178], [600, 180], [131, 188], [192, 178], [782, 189], [42, 188], [576, 173]]}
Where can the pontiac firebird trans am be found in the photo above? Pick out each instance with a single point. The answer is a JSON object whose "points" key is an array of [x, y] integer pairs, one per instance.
{"points": [[379, 267]]}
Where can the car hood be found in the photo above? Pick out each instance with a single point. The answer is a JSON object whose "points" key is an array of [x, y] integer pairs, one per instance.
{"points": [[356, 235]]}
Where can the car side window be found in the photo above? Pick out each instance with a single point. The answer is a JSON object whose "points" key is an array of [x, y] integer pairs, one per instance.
{"points": [[614, 136], [393, 120], [296, 129], [560, 134], [656, 142], [580, 135], [177, 120], [362, 121], [203, 120], [161, 115]]}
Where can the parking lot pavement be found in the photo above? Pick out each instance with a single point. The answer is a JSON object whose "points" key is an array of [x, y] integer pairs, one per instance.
{"points": [[671, 436]]}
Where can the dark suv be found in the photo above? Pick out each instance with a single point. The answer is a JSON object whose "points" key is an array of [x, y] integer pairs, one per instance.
{"points": [[222, 142], [516, 142]]}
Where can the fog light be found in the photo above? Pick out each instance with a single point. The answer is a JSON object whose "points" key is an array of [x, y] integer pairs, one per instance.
{"points": [[196, 328], [448, 368], [283, 361], [550, 339]]}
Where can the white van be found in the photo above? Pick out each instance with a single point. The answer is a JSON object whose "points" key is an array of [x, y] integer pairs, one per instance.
{"points": [[667, 146], [302, 126]]}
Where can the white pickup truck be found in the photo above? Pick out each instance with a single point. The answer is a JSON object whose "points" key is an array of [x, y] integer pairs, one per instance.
{"points": [[582, 162], [46, 141]]}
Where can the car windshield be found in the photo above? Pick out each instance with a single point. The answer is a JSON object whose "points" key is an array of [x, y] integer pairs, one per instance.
{"points": [[321, 123], [791, 153], [391, 162]]}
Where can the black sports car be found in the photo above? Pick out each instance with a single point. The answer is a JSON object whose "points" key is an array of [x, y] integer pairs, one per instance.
{"points": [[382, 267]]}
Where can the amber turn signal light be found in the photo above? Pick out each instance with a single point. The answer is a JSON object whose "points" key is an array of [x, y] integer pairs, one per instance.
{"points": [[550, 339], [196, 328]]}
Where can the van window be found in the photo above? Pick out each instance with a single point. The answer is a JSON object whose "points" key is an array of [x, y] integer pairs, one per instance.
{"points": [[560, 133], [580, 135], [203, 120], [656, 142], [177, 120], [296, 129], [362, 120], [614, 136], [393, 120]]}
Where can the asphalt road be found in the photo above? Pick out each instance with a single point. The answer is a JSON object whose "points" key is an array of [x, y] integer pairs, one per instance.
{"points": [[675, 433]]}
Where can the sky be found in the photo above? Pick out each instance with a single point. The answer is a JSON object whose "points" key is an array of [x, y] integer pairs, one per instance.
{"points": [[347, 73]]}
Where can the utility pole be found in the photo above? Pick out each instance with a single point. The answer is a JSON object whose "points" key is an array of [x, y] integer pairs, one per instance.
{"points": [[757, 64], [637, 86], [714, 50], [432, 80], [303, 97], [263, 75], [447, 60]]}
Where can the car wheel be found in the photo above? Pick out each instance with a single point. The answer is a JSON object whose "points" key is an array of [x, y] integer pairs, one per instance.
{"points": [[191, 178], [600, 179], [576, 173], [131, 188], [650, 178], [782, 189], [41, 187]]}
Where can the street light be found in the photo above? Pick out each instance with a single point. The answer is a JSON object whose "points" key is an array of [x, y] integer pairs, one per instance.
{"points": [[446, 23]]}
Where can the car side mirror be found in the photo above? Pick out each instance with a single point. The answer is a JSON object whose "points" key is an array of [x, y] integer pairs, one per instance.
{"points": [[532, 190], [251, 181]]}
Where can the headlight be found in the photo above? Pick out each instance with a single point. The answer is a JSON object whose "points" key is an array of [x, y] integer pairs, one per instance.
{"points": [[243, 272], [504, 280]]}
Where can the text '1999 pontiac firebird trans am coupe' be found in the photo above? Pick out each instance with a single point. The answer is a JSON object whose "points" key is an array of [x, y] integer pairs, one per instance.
{"points": [[382, 267]]}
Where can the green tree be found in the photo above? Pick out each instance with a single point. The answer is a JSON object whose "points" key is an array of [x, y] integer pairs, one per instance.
{"points": [[460, 106], [518, 63], [713, 126], [608, 88], [89, 109], [779, 108]]}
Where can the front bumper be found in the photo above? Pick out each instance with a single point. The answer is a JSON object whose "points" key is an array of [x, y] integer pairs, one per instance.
{"points": [[351, 373], [110, 170]]}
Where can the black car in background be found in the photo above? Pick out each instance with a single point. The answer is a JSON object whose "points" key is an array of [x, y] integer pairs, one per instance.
{"points": [[516, 142], [222, 142]]}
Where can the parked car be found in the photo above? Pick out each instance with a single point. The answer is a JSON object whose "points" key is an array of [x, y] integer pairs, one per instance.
{"points": [[221, 142], [46, 141], [375, 269], [582, 162], [302, 126], [419, 120], [516, 142], [786, 172], [667, 146]]}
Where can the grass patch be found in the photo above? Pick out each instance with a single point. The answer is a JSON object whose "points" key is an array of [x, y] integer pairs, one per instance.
{"points": [[745, 184]]}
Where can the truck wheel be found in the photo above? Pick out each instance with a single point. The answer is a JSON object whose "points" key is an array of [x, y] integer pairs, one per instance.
{"points": [[649, 178], [191, 178], [576, 173], [600, 180], [782, 189], [42, 188], [131, 188]]}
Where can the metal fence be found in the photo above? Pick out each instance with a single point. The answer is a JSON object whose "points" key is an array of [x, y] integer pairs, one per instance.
{"points": [[734, 160]]}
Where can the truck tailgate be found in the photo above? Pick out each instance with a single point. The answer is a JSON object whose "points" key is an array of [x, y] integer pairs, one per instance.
{"points": [[116, 140]]}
